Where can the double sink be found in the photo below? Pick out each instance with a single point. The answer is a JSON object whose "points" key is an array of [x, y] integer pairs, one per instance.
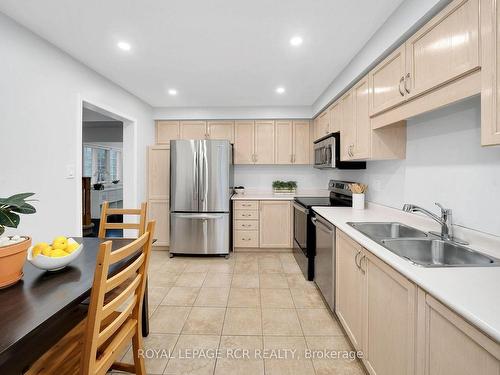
{"points": [[421, 248]]}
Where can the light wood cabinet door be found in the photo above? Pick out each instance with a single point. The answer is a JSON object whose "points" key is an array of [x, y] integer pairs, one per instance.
{"points": [[446, 48], [390, 318], [275, 224], [244, 136], [264, 142], [284, 142], [335, 117], [158, 172], [450, 345], [362, 126], [349, 288], [386, 82], [347, 129], [490, 72], [323, 127], [166, 131], [193, 129], [221, 130], [301, 142], [159, 210]]}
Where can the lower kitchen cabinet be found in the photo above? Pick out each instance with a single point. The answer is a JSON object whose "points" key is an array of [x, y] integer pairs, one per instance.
{"points": [[159, 210], [275, 224]]}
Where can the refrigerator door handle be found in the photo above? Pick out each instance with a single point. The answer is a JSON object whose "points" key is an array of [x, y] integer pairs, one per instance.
{"points": [[195, 176], [199, 216], [204, 191]]}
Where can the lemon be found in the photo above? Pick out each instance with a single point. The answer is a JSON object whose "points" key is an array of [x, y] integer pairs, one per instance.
{"points": [[38, 248], [61, 240], [59, 245], [47, 251], [71, 247], [58, 253]]}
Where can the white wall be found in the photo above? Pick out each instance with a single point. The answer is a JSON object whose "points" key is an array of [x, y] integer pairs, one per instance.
{"points": [[41, 89]]}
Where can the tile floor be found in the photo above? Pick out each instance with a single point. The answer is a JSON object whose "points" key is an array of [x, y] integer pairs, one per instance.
{"points": [[250, 303]]}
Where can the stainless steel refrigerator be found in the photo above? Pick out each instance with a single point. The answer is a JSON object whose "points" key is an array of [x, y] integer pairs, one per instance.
{"points": [[201, 185]]}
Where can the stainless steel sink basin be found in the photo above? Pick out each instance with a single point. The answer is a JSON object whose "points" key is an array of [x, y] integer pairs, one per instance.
{"points": [[438, 253], [378, 231]]}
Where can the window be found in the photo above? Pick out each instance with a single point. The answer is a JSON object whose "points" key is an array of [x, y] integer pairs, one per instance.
{"points": [[102, 164]]}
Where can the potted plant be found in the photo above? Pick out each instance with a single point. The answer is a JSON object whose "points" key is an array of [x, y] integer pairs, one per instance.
{"points": [[13, 249], [284, 187]]}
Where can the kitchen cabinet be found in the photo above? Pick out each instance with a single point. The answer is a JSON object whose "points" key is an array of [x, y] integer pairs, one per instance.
{"points": [[450, 345], [389, 321], [292, 142], [490, 72], [264, 142], [246, 224], [221, 130], [244, 137], [275, 224], [335, 113], [349, 279], [348, 128], [322, 125], [193, 130], [166, 131], [361, 149], [386, 82], [159, 210]]}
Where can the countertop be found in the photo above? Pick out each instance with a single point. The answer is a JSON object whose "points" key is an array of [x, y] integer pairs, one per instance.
{"points": [[268, 195], [473, 292]]}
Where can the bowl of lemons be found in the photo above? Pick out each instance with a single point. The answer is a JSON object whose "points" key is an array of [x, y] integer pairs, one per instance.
{"points": [[56, 255]]}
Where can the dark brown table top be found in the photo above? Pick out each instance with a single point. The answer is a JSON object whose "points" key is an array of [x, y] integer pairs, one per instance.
{"points": [[32, 309]]}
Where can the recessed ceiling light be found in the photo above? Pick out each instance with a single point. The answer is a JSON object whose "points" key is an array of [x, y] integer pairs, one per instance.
{"points": [[296, 41], [280, 90], [124, 46], [172, 92]]}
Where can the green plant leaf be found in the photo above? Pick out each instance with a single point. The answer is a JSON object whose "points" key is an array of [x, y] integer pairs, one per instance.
{"points": [[9, 219], [25, 208]]}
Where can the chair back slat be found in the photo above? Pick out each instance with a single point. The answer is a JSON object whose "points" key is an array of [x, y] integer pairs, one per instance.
{"points": [[116, 323], [121, 298], [127, 250], [124, 275], [106, 212]]}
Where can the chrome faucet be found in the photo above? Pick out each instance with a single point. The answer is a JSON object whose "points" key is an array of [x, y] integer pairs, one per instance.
{"points": [[444, 220]]}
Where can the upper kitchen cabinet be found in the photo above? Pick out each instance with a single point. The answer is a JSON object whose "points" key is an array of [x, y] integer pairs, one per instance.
{"points": [[322, 125], [166, 131], [348, 128], [292, 142], [386, 82], [244, 139], [221, 130], [335, 114], [264, 142], [446, 48], [193, 130], [361, 149], [301, 142], [490, 72]]}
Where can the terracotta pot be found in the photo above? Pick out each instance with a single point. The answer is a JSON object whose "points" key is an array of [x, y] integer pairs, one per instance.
{"points": [[12, 258]]}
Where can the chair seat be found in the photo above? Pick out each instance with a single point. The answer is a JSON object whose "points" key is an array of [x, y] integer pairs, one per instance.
{"points": [[64, 358]]}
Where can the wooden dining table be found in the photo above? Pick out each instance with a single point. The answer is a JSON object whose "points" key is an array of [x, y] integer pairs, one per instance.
{"points": [[40, 309]]}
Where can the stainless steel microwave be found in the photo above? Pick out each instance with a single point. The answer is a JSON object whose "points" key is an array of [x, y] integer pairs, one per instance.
{"points": [[327, 154]]}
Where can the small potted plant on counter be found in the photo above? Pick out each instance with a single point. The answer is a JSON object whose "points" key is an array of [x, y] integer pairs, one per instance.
{"points": [[13, 249], [284, 187]]}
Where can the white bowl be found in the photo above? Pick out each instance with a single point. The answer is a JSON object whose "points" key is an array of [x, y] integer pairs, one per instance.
{"points": [[54, 264]]}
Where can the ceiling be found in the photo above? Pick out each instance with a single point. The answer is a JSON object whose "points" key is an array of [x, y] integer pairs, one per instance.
{"points": [[214, 53]]}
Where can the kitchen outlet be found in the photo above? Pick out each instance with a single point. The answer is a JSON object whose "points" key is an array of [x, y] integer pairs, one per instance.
{"points": [[70, 171]]}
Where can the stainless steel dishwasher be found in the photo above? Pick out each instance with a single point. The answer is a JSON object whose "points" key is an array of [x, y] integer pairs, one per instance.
{"points": [[324, 262]]}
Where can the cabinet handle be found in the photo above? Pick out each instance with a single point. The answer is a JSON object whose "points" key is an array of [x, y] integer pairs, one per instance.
{"points": [[400, 82], [406, 80], [361, 264], [356, 258]]}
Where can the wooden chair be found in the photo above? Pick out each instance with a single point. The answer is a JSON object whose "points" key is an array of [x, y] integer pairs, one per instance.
{"points": [[104, 225], [93, 346]]}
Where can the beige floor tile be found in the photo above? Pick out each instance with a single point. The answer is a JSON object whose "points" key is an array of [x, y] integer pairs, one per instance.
{"points": [[159, 255], [204, 321], [270, 267], [239, 356], [276, 298], [201, 266], [290, 267], [181, 296], [163, 279], [218, 280], [286, 257], [244, 297], [246, 267], [294, 363], [280, 322], [307, 298], [192, 279], [168, 319], [242, 321], [334, 344], [318, 322], [221, 268], [245, 281], [183, 362], [214, 297], [272, 281], [173, 266], [156, 294], [297, 280], [157, 348]]}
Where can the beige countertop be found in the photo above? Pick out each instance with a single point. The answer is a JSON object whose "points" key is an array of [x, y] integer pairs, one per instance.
{"points": [[473, 292], [257, 195]]}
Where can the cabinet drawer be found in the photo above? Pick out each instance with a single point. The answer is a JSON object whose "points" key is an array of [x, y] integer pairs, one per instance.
{"points": [[246, 205], [246, 238], [246, 224], [246, 214]]}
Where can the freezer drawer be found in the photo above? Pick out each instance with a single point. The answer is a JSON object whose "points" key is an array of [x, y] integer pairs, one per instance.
{"points": [[199, 233]]}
